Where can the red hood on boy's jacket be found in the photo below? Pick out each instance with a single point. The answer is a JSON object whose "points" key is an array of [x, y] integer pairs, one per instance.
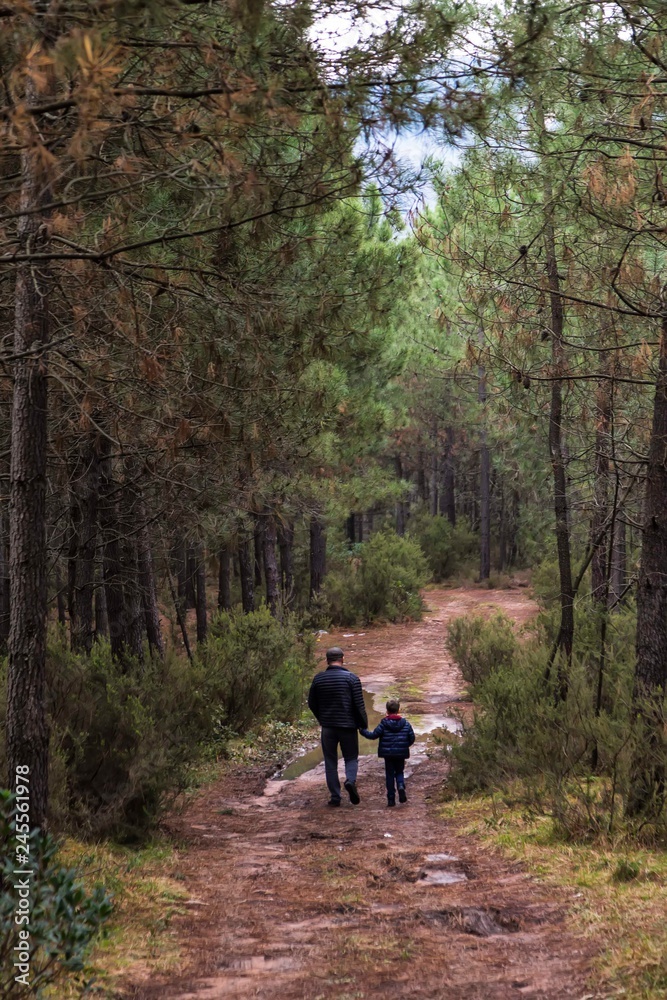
{"points": [[394, 716]]}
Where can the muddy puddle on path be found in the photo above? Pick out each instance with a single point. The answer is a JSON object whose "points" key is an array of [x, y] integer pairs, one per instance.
{"points": [[423, 725]]}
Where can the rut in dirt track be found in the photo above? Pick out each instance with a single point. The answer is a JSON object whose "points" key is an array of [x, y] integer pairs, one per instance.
{"points": [[290, 899]]}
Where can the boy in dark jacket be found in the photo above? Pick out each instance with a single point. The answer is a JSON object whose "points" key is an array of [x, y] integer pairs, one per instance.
{"points": [[396, 736]]}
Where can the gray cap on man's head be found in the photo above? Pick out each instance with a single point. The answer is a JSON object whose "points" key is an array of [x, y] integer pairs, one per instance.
{"points": [[335, 653]]}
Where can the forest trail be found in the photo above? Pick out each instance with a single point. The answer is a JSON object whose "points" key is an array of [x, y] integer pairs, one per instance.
{"points": [[290, 899]]}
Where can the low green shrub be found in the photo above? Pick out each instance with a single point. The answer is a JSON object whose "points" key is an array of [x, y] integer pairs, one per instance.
{"points": [[256, 666], [567, 759], [447, 549], [125, 737], [481, 646], [379, 581], [64, 919]]}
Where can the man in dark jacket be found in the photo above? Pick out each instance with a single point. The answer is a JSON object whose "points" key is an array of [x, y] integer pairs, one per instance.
{"points": [[337, 702], [396, 736]]}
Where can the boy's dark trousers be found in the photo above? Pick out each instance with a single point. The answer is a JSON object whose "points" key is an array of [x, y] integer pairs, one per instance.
{"points": [[393, 770]]}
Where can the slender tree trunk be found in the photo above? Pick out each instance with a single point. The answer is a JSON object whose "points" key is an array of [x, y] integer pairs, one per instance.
{"points": [[350, 529], [246, 572], [61, 610], [647, 790], [26, 724], [421, 478], [179, 562], [599, 580], [179, 608], [147, 584], [318, 555], [484, 478], [286, 548], [190, 575], [433, 486], [200, 573], [502, 529], [112, 567], [556, 449], [129, 554], [224, 587], [618, 561], [448, 498], [271, 566]]}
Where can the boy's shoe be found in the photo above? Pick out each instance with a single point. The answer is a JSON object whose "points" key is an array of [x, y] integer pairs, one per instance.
{"points": [[402, 796], [351, 790], [390, 803], [333, 802]]}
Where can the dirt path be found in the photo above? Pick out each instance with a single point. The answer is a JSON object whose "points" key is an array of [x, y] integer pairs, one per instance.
{"points": [[290, 899]]}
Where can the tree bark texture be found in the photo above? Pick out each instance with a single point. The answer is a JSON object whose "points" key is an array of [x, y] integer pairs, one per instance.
{"points": [[400, 505], [26, 727], [318, 556], [647, 792], [247, 576]]}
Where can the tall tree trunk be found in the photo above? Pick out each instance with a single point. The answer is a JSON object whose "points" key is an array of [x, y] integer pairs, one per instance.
{"points": [[179, 563], [558, 464], [61, 610], [202, 622], [224, 587], [286, 547], [27, 732], [647, 790], [484, 478], [318, 556], [619, 560], [599, 581], [421, 478], [502, 528], [147, 583], [350, 531], [448, 497], [129, 553], [271, 566], [190, 574], [433, 485], [111, 561], [246, 572]]}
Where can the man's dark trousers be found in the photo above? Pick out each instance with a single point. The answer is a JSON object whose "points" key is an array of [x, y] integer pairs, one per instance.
{"points": [[393, 772], [349, 745]]}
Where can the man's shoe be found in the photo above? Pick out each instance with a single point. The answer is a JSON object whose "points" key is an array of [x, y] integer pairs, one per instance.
{"points": [[351, 790], [333, 802], [390, 803], [402, 797]]}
